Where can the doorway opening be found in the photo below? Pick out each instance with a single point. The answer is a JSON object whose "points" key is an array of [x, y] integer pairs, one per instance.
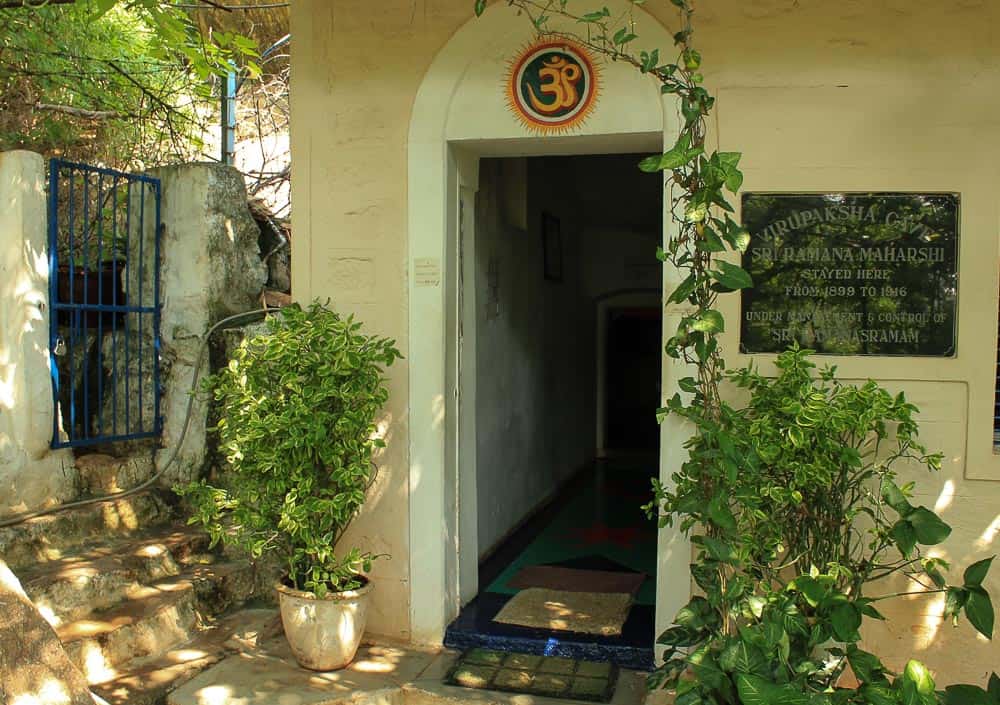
{"points": [[567, 331]]}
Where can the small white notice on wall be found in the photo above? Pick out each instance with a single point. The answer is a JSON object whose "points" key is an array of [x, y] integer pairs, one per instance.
{"points": [[427, 271]]}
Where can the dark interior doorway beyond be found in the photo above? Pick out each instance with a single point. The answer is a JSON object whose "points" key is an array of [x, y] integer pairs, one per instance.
{"points": [[595, 528], [633, 373]]}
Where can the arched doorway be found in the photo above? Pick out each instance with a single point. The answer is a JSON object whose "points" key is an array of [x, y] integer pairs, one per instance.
{"points": [[459, 117]]}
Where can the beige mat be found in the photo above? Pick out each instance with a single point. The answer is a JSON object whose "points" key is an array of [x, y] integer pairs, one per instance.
{"points": [[601, 613]]}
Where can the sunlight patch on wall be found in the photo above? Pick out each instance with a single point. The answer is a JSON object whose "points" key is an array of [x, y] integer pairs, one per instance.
{"points": [[944, 500], [989, 536], [930, 624]]}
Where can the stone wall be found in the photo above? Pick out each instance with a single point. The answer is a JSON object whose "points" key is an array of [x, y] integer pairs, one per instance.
{"points": [[210, 269]]}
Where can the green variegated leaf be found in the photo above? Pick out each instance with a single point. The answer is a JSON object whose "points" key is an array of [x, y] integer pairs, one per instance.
{"points": [[731, 276], [979, 611], [975, 574], [710, 321], [928, 527]]}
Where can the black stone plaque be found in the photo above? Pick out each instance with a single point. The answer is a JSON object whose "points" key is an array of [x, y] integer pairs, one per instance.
{"points": [[851, 274]]}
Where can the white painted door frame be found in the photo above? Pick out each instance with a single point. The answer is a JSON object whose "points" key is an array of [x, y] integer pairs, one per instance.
{"points": [[459, 116]]}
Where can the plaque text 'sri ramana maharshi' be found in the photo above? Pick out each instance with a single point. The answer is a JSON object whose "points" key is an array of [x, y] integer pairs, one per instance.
{"points": [[851, 274]]}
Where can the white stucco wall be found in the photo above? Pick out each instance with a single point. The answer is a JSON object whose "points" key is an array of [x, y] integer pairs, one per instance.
{"points": [[854, 95], [31, 474], [841, 99]]}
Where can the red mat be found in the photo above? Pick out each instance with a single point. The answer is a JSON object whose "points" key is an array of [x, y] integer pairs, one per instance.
{"points": [[576, 580]]}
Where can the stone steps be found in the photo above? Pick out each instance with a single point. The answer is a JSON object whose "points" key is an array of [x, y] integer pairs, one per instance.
{"points": [[138, 601], [69, 588], [154, 618], [149, 681], [57, 536]]}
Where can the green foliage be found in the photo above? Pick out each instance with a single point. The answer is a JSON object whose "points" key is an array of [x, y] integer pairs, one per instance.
{"points": [[796, 511], [791, 501], [298, 412], [121, 82]]}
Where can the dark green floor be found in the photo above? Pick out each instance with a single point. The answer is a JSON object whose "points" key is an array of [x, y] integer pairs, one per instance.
{"points": [[595, 524], [601, 518]]}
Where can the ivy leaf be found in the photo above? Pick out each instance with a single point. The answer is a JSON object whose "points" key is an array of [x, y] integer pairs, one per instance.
{"points": [[692, 59], [623, 36], [480, 7], [932, 568], [696, 212], [754, 690], [710, 241], [683, 290], [677, 156], [813, 590], [731, 276], [903, 534], [928, 527], [649, 60], [679, 637], [878, 694], [917, 674], [994, 686], [954, 601], [730, 159], [979, 611], [718, 550], [710, 321], [738, 238], [743, 658], [719, 512], [592, 17], [975, 574], [967, 695], [706, 668], [866, 666], [895, 498], [688, 384], [846, 620]]}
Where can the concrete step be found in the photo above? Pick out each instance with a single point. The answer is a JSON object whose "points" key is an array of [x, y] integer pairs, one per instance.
{"points": [[70, 588], [53, 537], [153, 619], [149, 681]]}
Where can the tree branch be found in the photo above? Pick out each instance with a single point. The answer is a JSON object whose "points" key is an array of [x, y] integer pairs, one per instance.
{"points": [[78, 112], [17, 4]]}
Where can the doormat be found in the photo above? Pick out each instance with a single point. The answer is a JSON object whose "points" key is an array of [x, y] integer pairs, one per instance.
{"points": [[547, 676], [599, 613], [553, 577]]}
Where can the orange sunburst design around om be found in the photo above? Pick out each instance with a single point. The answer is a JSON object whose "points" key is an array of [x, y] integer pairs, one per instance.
{"points": [[552, 86]]}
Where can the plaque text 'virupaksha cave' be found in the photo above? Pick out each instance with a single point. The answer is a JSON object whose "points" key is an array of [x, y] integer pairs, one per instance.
{"points": [[850, 273]]}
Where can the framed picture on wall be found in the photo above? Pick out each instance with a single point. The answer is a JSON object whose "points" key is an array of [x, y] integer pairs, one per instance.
{"points": [[552, 248]]}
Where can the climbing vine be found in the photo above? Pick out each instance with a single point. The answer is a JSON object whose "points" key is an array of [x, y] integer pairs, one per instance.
{"points": [[698, 182], [792, 501]]}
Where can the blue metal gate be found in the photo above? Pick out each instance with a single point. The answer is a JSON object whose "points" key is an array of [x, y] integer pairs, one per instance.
{"points": [[104, 289]]}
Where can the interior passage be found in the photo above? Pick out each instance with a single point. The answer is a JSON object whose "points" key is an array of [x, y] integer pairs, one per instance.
{"points": [[568, 335]]}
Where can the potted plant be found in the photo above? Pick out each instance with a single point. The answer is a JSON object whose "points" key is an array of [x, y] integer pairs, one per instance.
{"points": [[297, 425]]}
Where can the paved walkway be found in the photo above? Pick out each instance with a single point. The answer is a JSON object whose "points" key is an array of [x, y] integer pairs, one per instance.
{"points": [[380, 675]]}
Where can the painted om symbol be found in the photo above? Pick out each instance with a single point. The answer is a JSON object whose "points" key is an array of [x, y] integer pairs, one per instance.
{"points": [[559, 78]]}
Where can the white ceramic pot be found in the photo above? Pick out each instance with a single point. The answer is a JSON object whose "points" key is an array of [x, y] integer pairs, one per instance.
{"points": [[324, 633]]}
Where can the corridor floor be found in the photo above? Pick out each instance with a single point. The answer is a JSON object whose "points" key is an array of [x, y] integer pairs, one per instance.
{"points": [[596, 524]]}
